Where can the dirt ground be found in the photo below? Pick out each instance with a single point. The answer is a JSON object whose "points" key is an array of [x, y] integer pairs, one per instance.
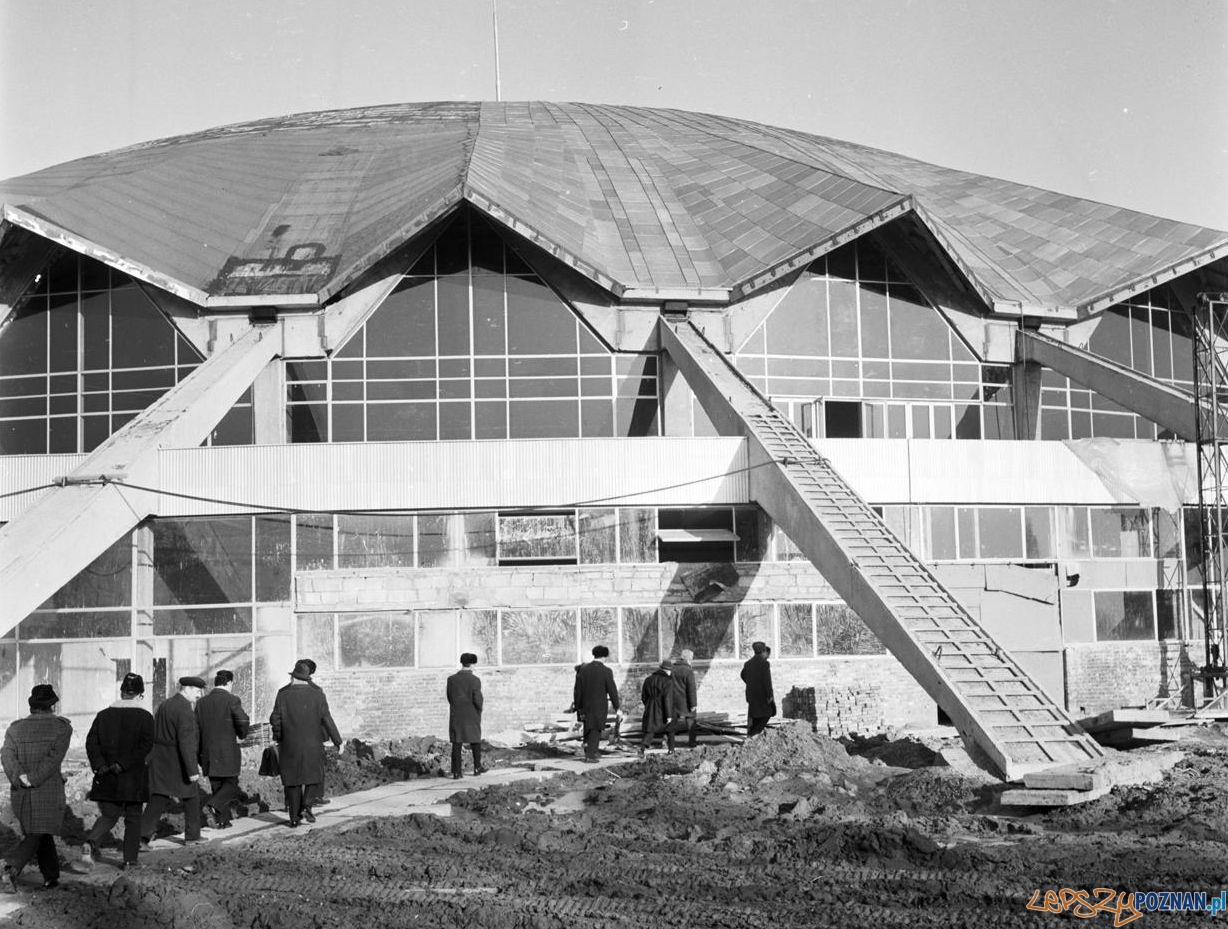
{"points": [[790, 829]]}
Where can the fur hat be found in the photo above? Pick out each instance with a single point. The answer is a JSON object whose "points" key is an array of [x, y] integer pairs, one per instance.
{"points": [[43, 697], [468, 658]]}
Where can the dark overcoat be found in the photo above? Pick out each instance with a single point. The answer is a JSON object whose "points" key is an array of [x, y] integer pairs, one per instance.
{"points": [[464, 707], [757, 674], [173, 764], [658, 696], [222, 720], [35, 746], [685, 695], [121, 734], [595, 693], [301, 722]]}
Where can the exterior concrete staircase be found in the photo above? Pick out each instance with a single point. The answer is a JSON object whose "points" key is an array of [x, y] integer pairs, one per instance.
{"points": [[993, 703]]}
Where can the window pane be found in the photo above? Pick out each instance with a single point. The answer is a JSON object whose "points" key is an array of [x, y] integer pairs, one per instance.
{"points": [[1000, 532], [755, 624], [942, 533], [637, 536], [478, 632], [598, 627], [205, 560], [641, 639], [224, 621], [966, 518], [273, 558], [796, 632], [316, 638], [437, 639], [313, 542], [598, 532], [539, 636], [107, 581], [1038, 532], [74, 625], [376, 640], [434, 547], [537, 537], [375, 541], [1120, 533], [841, 632], [706, 630], [1124, 615]]}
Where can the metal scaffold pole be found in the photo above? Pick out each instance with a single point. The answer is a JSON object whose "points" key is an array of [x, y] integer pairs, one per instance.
{"points": [[1210, 345]]}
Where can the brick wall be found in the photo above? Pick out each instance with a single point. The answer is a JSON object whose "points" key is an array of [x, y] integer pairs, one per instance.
{"points": [[544, 586], [390, 704], [1105, 675]]}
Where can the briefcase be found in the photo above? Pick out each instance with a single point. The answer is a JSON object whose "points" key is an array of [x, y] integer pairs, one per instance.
{"points": [[270, 763]]}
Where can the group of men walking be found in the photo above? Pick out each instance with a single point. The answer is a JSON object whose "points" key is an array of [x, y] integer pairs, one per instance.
{"points": [[143, 762]]}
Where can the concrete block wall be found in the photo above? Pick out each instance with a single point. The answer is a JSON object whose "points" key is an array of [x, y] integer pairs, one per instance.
{"points": [[538, 586], [1106, 675], [379, 704]]}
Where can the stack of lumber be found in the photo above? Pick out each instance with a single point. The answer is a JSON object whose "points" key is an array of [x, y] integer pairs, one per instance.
{"points": [[1130, 727]]}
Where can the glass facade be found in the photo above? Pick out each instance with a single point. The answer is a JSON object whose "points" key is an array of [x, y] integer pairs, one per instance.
{"points": [[1151, 334], [85, 351], [472, 345], [856, 350]]}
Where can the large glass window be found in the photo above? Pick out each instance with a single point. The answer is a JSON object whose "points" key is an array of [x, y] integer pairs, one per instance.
{"points": [[856, 334], [85, 351], [1150, 333], [472, 345]]}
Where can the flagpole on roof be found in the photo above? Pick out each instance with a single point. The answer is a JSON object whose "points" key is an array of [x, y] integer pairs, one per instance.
{"points": [[495, 18]]}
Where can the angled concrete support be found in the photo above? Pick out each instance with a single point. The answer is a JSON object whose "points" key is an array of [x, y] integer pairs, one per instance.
{"points": [[57, 537], [990, 698], [1163, 404]]}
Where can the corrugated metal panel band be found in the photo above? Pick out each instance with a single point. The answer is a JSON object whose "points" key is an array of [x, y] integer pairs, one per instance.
{"points": [[460, 475], [20, 472]]}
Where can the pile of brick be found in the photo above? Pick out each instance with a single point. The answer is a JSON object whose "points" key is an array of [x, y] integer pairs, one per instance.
{"points": [[838, 711]]}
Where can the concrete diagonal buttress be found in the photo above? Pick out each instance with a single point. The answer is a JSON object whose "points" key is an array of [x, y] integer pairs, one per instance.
{"points": [[993, 703]]}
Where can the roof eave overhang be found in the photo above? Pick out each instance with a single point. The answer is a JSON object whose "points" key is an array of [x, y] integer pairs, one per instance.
{"points": [[801, 259], [1154, 279], [55, 233]]}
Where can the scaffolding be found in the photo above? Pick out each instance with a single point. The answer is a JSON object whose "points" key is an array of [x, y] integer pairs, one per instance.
{"points": [[1210, 344]]}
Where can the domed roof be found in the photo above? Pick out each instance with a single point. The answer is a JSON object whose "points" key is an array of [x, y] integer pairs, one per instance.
{"points": [[648, 203]]}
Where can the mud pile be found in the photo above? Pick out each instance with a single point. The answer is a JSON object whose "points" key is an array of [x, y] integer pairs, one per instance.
{"points": [[786, 830]]}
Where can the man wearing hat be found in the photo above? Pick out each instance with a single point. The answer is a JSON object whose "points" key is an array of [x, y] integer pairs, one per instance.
{"points": [[300, 717], [594, 694], [760, 703], [222, 722], [657, 695], [173, 768], [33, 750], [120, 739], [464, 692]]}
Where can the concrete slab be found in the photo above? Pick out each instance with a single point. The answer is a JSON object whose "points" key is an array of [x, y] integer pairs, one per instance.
{"points": [[1125, 716], [1021, 796]]}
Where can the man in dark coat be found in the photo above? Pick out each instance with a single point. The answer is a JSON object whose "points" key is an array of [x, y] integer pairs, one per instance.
{"points": [[595, 693], [300, 721], [658, 697], [34, 747], [222, 721], [118, 744], [174, 772], [685, 695], [760, 703], [465, 714]]}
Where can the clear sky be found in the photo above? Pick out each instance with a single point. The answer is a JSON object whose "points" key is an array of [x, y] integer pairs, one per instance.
{"points": [[1124, 101]]}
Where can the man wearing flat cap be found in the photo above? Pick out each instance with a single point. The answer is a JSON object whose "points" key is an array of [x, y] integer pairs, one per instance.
{"points": [[760, 702], [34, 747], [118, 744], [657, 695], [464, 692], [174, 772], [300, 721], [222, 722]]}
